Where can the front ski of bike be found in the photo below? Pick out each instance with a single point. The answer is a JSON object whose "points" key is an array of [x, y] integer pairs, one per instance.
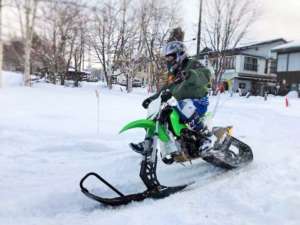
{"points": [[148, 175]]}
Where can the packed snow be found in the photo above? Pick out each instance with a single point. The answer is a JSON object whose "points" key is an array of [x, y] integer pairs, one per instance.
{"points": [[49, 141]]}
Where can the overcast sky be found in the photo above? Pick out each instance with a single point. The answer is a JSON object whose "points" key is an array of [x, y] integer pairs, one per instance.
{"points": [[278, 19]]}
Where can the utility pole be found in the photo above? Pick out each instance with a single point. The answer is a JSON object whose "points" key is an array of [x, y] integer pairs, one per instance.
{"points": [[1, 45], [199, 28]]}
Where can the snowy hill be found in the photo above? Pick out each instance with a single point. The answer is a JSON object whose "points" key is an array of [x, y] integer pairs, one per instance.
{"points": [[49, 140]]}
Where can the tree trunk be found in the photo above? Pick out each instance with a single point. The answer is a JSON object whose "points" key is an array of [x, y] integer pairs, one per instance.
{"points": [[62, 79], [215, 84], [107, 78], [27, 49], [30, 14], [129, 83], [27, 79], [76, 76], [109, 82], [1, 45]]}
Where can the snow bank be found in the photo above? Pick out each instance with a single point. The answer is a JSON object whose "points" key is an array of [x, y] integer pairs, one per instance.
{"points": [[12, 79], [49, 140], [293, 94]]}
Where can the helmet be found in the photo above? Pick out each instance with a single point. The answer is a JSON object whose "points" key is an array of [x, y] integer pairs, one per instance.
{"points": [[177, 52]]}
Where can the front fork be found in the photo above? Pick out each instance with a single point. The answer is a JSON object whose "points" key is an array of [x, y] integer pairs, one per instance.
{"points": [[149, 163]]}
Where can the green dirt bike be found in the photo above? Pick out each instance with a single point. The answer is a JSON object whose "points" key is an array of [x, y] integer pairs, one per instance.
{"points": [[177, 143]]}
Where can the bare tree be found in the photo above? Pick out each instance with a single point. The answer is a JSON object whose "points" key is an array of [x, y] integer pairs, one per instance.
{"points": [[62, 28], [78, 54], [226, 24], [127, 35], [157, 20], [131, 57], [27, 14], [105, 38]]}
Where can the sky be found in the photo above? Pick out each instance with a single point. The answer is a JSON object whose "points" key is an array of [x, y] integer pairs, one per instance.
{"points": [[278, 19]]}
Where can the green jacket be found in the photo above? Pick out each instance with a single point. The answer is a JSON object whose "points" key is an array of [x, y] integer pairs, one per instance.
{"points": [[194, 85]]}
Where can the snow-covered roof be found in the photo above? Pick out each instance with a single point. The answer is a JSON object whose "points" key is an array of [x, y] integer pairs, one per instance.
{"points": [[251, 45], [257, 43], [290, 46]]}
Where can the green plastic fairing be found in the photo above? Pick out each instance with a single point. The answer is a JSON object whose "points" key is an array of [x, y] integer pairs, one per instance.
{"points": [[149, 125], [175, 120]]}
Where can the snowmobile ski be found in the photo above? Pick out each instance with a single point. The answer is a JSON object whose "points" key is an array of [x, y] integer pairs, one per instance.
{"points": [[156, 193]]}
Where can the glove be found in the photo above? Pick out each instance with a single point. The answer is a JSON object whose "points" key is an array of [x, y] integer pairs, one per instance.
{"points": [[146, 103], [165, 114], [166, 95]]}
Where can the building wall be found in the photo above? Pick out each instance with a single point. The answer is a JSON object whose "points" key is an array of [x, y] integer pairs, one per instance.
{"points": [[288, 62], [288, 70], [255, 84], [261, 63], [239, 68], [282, 62], [290, 80], [229, 74], [236, 84], [294, 62], [239, 60]]}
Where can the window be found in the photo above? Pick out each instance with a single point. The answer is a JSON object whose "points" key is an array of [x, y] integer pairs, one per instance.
{"points": [[294, 87], [294, 62], [250, 64], [229, 62], [242, 85], [282, 62], [273, 66]]}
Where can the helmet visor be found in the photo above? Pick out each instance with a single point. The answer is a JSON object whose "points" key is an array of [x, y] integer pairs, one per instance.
{"points": [[173, 48]]}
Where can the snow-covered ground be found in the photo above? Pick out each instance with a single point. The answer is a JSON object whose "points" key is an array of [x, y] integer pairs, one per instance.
{"points": [[49, 140]]}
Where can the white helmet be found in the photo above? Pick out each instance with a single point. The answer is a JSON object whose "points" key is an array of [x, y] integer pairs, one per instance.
{"points": [[176, 49]]}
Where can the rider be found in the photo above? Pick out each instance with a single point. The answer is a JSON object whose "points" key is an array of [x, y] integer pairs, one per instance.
{"points": [[187, 82]]}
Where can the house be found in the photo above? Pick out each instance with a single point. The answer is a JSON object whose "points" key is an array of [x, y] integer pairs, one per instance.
{"points": [[288, 66], [248, 68]]}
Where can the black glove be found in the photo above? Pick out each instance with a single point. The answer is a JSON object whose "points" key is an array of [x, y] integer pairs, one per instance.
{"points": [[166, 95], [146, 103], [165, 113]]}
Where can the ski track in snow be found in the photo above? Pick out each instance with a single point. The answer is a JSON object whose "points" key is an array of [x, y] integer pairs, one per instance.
{"points": [[49, 141]]}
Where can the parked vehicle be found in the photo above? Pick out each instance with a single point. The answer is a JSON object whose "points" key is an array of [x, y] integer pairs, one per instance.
{"points": [[137, 83]]}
